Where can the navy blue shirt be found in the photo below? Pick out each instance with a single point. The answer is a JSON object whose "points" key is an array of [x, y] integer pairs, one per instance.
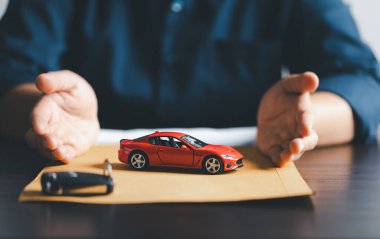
{"points": [[190, 63]]}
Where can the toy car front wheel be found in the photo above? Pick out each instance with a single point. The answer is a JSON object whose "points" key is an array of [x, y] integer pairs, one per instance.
{"points": [[138, 160], [213, 165]]}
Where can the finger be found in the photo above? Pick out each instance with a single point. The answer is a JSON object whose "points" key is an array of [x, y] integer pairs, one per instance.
{"points": [[296, 156], [59, 152], [57, 81], [305, 123], [285, 157], [274, 153], [307, 143], [286, 154], [50, 141], [50, 146], [300, 83], [36, 143], [41, 142], [64, 153], [296, 146], [272, 134], [47, 154], [70, 153], [285, 144]]}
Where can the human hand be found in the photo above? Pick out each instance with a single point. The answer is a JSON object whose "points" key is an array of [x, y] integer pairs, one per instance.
{"points": [[64, 121], [285, 119]]}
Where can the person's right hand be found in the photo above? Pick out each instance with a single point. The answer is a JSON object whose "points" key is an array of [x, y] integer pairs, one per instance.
{"points": [[64, 121], [286, 119]]}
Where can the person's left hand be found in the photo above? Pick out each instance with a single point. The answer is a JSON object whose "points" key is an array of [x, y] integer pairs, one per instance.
{"points": [[285, 119]]}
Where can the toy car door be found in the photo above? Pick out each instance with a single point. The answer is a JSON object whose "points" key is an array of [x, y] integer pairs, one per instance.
{"points": [[170, 152]]}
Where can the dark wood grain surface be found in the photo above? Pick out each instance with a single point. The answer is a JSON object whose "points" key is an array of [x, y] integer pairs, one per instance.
{"points": [[346, 205]]}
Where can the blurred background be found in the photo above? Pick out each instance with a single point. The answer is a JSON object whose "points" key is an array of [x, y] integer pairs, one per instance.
{"points": [[367, 16], [366, 13]]}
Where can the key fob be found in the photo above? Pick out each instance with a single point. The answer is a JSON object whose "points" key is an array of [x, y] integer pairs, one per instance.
{"points": [[78, 183]]}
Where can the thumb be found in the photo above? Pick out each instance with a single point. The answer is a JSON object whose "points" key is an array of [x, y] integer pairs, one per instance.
{"points": [[54, 81], [300, 83]]}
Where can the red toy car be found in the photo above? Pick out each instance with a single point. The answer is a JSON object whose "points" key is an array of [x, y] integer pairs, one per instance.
{"points": [[172, 149]]}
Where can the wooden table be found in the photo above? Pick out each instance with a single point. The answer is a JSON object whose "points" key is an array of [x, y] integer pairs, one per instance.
{"points": [[347, 204]]}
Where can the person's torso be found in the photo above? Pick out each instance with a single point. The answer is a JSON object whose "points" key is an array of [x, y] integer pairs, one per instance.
{"points": [[178, 63]]}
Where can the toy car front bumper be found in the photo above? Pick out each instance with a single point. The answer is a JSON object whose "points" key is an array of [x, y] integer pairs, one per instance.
{"points": [[233, 164]]}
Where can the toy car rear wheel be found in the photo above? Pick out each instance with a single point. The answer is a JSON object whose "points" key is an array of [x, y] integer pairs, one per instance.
{"points": [[213, 165], [138, 160]]}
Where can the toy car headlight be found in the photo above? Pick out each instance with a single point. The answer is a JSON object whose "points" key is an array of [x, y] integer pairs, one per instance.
{"points": [[226, 156]]}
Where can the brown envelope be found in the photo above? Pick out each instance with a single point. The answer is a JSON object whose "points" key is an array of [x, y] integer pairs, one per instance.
{"points": [[258, 179]]}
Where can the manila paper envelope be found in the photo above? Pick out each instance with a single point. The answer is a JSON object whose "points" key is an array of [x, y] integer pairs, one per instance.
{"points": [[258, 179]]}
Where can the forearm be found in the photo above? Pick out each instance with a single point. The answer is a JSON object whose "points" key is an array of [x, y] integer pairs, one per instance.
{"points": [[333, 119], [15, 108]]}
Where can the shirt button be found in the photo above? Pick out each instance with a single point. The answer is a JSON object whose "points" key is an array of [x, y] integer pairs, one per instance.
{"points": [[177, 6]]}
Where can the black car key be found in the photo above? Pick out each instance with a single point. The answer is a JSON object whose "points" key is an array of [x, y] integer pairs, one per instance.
{"points": [[78, 183]]}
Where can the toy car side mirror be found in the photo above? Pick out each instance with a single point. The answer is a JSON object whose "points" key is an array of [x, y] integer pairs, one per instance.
{"points": [[184, 146]]}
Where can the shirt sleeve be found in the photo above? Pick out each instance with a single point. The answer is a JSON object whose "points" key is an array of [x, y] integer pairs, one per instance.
{"points": [[32, 40], [323, 38]]}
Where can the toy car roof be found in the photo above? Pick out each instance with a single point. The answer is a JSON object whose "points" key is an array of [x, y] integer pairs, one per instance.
{"points": [[169, 134]]}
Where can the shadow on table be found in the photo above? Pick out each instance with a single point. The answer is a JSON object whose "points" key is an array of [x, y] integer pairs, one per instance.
{"points": [[126, 167], [303, 202]]}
